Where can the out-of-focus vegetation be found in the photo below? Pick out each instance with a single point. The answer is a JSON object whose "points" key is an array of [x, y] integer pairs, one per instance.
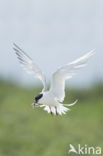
{"points": [[25, 131]]}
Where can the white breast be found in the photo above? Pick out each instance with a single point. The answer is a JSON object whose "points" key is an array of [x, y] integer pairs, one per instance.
{"points": [[48, 99]]}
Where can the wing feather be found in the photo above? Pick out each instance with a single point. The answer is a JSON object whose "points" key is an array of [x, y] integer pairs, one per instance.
{"points": [[28, 65], [66, 72]]}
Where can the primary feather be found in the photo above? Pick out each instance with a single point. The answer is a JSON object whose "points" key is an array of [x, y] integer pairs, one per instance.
{"points": [[29, 65], [66, 72]]}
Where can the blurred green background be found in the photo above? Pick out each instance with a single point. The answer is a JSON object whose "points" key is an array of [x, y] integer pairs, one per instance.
{"points": [[53, 33], [27, 131]]}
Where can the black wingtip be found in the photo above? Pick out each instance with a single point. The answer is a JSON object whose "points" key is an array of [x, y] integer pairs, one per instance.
{"points": [[15, 47], [18, 49], [14, 44]]}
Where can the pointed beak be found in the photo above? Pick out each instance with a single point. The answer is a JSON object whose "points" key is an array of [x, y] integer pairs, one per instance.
{"points": [[35, 104]]}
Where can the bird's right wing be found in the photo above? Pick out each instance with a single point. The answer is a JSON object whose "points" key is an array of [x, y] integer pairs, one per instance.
{"points": [[66, 72], [28, 65]]}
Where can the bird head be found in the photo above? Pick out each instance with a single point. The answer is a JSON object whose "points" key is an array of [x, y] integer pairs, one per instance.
{"points": [[36, 100], [38, 97]]}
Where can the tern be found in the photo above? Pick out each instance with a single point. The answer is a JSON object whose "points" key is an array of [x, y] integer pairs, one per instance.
{"points": [[51, 100]]}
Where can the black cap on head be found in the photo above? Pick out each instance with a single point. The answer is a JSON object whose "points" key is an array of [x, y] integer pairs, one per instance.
{"points": [[39, 96]]}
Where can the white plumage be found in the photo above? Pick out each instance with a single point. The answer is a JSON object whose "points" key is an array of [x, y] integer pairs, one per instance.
{"points": [[51, 99], [28, 65], [66, 72]]}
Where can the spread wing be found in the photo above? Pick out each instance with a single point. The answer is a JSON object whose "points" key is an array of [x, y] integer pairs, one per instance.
{"points": [[28, 65], [66, 72]]}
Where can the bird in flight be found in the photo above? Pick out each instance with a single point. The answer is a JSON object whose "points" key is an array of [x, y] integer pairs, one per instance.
{"points": [[51, 100]]}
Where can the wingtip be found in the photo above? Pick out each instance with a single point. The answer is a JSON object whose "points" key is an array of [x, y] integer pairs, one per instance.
{"points": [[71, 103], [15, 49], [92, 52], [14, 44]]}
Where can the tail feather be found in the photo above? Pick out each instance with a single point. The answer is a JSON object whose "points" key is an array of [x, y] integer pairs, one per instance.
{"points": [[60, 109], [71, 103], [46, 108]]}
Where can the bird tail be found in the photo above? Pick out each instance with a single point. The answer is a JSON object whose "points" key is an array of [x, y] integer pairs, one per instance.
{"points": [[71, 103], [60, 109]]}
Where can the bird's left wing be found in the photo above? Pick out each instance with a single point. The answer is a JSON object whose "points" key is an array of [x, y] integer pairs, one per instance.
{"points": [[28, 65], [66, 72]]}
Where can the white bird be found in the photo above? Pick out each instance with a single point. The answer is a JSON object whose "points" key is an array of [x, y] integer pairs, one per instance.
{"points": [[52, 99]]}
